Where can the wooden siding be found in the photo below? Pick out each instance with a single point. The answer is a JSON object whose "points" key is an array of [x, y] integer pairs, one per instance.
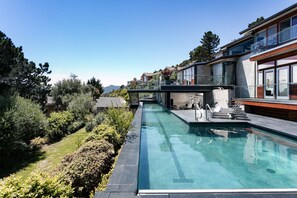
{"points": [[272, 110], [271, 105], [293, 92], [260, 92]]}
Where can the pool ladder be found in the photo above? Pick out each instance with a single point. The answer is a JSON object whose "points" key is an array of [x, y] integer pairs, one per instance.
{"points": [[208, 107], [200, 112]]}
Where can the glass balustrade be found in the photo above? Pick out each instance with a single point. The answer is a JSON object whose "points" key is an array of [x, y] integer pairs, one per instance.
{"points": [[275, 40]]}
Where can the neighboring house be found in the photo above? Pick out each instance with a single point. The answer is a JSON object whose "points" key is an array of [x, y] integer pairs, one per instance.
{"points": [[132, 84], [105, 102], [145, 77]]}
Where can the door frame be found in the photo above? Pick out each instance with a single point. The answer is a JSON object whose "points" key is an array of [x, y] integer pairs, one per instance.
{"points": [[273, 84], [277, 82]]}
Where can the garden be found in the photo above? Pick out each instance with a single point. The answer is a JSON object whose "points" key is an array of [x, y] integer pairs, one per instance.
{"points": [[65, 151]]}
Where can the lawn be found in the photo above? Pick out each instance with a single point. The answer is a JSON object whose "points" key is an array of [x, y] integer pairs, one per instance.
{"points": [[54, 153]]}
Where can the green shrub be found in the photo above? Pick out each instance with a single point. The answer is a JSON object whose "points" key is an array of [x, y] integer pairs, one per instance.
{"points": [[84, 168], [120, 118], [37, 142], [81, 105], [58, 123], [20, 121], [100, 118], [38, 185], [97, 120], [75, 126], [90, 126], [107, 133]]}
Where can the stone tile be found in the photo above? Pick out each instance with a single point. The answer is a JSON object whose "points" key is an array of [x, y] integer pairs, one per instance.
{"points": [[130, 175], [112, 187], [192, 195], [154, 196], [235, 195], [128, 159], [122, 195], [127, 188], [279, 195], [101, 194]]}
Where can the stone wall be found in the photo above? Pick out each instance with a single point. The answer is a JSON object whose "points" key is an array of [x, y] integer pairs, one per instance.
{"points": [[245, 77]]}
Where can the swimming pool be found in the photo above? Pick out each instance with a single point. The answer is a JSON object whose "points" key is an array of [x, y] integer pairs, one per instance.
{"points": [[176, 156]]}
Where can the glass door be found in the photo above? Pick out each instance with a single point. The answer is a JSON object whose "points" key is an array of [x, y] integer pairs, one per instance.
{"points": [[282, 83], [269, 83]]}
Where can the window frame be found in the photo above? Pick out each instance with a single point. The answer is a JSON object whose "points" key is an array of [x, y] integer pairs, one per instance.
{"points": [[292, 74]]}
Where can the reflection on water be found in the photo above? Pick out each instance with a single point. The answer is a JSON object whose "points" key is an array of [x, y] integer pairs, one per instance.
{"points": [[176, 156]]}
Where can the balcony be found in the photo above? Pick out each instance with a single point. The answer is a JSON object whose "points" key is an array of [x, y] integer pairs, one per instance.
{"points": [[275, 40], [191, 80]]}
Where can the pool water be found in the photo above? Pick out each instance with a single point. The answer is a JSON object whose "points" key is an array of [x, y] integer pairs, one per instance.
{"points": [[176, 156]]}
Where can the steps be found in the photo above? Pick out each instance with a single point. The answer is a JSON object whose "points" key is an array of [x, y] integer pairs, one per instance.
{"points": [[221, 115]]}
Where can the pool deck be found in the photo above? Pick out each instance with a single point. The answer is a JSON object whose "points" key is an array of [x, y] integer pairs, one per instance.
{"points": [[284, 127], [123, 182]]}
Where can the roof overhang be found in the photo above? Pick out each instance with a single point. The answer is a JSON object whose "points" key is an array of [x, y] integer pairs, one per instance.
{"points": [[270, 19]]}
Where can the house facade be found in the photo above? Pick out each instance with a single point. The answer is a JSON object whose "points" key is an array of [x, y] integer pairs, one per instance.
{"points": [[274, 52], [259, 68]]}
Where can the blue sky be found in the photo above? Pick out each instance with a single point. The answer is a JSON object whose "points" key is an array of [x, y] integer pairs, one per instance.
{"points": [[115, 40]]}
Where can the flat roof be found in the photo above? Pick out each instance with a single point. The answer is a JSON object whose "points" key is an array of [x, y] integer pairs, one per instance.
{"points": [[110, 101], [271, 18]]}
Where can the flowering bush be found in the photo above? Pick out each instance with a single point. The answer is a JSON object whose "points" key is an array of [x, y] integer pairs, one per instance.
{"points": [[37, 185]]}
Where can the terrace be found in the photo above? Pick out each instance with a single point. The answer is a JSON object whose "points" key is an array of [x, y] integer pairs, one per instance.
{"points": [[189, 80], [285, 37]]}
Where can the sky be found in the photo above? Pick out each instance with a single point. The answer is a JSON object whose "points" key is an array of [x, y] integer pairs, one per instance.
{"points": [[117, 40]]}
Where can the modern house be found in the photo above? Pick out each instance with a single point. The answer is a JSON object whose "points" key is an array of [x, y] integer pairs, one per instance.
{"points": [[274, 52], [260, 69]]}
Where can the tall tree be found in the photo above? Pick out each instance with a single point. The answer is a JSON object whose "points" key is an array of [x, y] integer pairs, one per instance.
{"points": [[204, 52], [96, 87], [19, 75], [8, 54], [257, 21], [63, 91], [209, 42], [198, 54]]}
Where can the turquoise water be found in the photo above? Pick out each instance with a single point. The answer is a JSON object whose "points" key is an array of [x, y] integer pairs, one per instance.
{"points": [[175, 156]]}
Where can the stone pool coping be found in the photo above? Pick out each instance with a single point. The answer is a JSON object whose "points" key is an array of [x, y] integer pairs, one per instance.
{"points": [[123, 182]]}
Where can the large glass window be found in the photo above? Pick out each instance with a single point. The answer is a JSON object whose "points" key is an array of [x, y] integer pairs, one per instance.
{"points": [[282, 82], [269, 83], [287, 60], [285, 32], [260, 36], [260, 41], [260, 78], [294, 73], [272, 40], [241, 48], [294, 27], [266, 65]]}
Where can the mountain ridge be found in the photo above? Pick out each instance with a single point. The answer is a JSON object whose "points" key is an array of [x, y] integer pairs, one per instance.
{"points": [[110, 88]]}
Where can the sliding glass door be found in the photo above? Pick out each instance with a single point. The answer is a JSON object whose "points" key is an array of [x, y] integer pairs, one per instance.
{"points": [[269, 83], [282, 88]]}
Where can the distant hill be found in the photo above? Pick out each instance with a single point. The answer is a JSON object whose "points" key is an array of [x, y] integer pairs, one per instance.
{"points": [[110, 88]]}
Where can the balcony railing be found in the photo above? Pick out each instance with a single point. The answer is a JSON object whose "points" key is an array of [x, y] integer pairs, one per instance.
{"points": [[185, 81], [275, 40]]}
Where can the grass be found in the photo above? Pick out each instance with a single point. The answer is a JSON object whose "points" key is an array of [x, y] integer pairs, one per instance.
{"points": [[54, 153]]}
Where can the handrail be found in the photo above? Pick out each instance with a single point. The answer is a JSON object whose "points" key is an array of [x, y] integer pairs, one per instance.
{"points": [[197, 106], [208, 107]]}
